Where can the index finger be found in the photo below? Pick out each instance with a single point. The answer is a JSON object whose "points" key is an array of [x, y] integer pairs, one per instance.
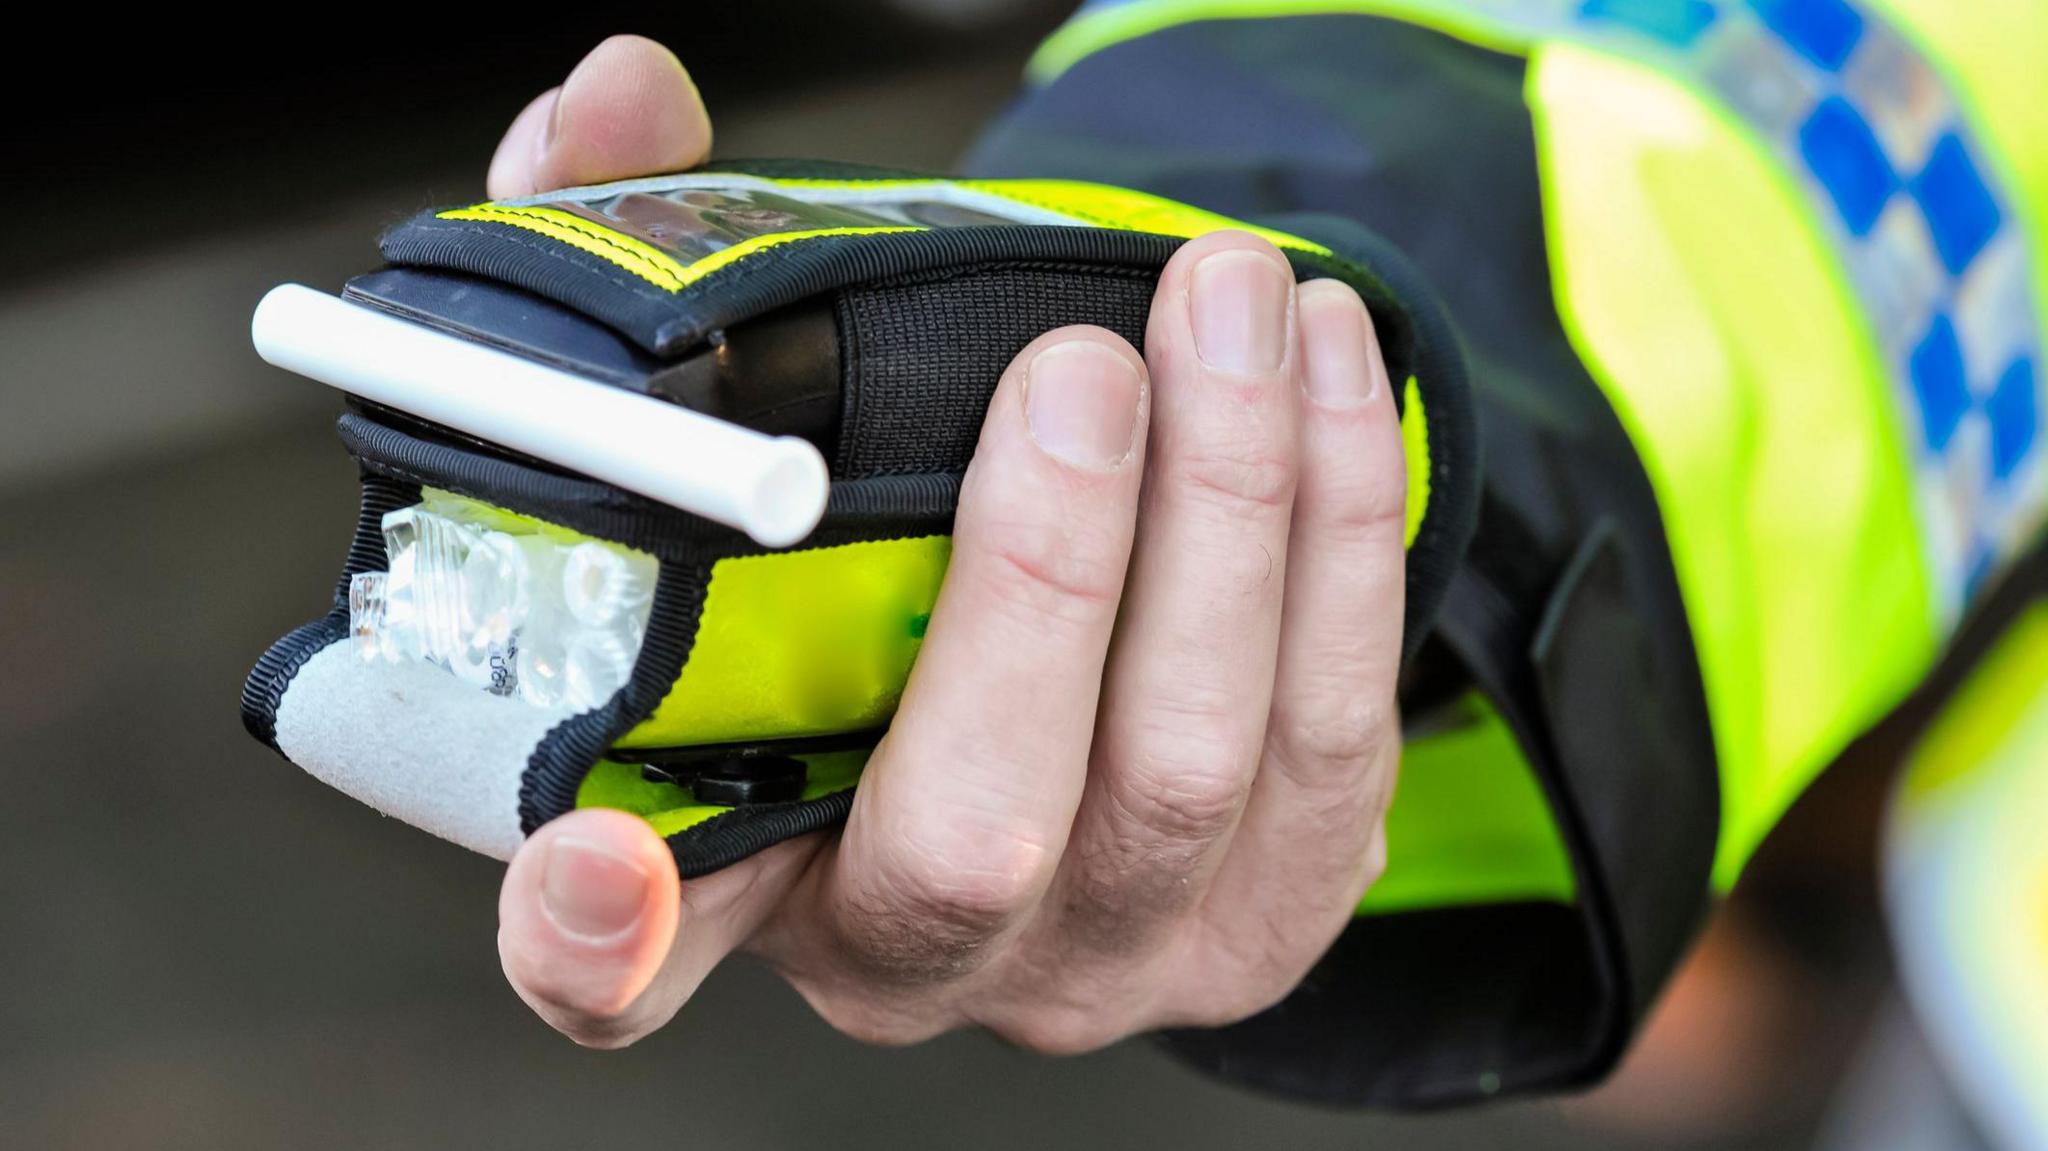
{"points": [[964, 809]]}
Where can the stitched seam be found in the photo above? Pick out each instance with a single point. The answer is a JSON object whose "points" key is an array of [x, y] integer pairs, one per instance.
{"points": [[527, 221], [498, 233]]}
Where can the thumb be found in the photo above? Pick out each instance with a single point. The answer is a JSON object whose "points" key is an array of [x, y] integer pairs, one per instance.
{"points": [[628, 109], [598, 936]]}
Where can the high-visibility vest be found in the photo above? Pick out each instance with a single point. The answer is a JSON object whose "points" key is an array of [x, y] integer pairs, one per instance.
{"points": [[1794, 251], [1719, 324]]}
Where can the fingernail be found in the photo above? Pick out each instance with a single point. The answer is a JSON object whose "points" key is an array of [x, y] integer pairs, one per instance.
{"points": [[1237, 302], [1081, 402], [589, 891], [1341, 369]]}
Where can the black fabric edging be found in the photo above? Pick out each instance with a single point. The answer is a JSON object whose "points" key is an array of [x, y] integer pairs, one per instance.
{"points": [[724, 840], [263, 692], [566, 754]]}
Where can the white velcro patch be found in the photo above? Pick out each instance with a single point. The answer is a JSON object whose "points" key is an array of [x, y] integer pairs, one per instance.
{"points": [[414, 742]]}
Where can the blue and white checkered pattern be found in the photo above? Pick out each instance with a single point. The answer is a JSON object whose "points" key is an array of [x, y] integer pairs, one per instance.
{"points": [[1931, 244]]}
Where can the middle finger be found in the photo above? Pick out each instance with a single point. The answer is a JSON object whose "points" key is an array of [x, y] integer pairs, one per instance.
{"points": [[1190, 678]]}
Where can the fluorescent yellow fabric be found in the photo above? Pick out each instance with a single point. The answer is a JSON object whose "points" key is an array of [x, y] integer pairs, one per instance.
{"points": [[1469, 824], [1694, 281], [1415, 451], [1695, 287], [802, 643]]}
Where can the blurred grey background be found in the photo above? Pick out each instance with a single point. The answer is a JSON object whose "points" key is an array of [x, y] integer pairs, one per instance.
{"points": [[201, 948]]}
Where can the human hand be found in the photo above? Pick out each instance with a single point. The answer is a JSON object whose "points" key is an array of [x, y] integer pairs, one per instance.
{"points": [[1139, 773]]}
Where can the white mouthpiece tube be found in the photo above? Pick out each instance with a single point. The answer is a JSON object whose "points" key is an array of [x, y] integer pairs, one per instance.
{"points": [[771, 487]]}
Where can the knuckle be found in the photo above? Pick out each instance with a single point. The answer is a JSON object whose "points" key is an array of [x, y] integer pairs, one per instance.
{"points": [[1334, 740], [1160, 814], [1369, 509], [927, 912], [1120, 894], [1240, 479], [1050, 571], [969, 902], [1185, 799]]}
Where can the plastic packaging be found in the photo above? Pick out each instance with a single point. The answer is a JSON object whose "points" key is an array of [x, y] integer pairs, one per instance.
{"points": [[510, 605]]}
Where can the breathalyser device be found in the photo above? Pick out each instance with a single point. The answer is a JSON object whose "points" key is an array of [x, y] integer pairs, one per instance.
{"points": [[658, 478]]}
